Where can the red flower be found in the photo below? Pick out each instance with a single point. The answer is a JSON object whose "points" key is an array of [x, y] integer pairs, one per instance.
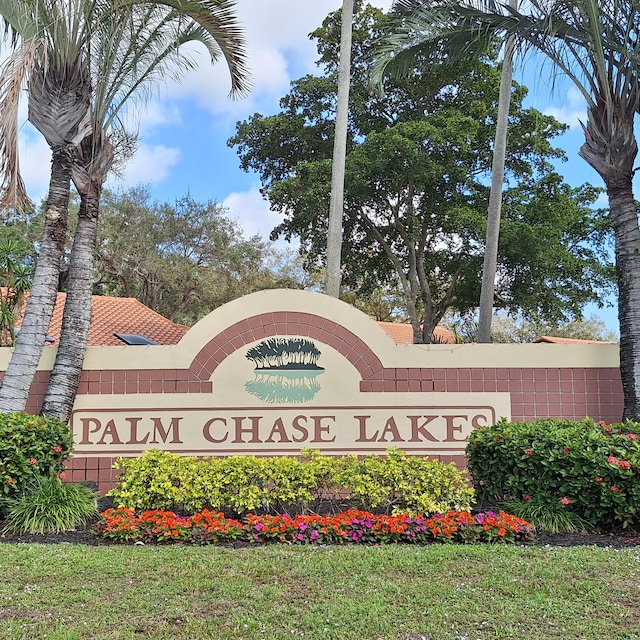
{"points": [[62, 475], [10, 481], [566, 500], [529, 452], [57, 448], [33, 462], [566, 450]]}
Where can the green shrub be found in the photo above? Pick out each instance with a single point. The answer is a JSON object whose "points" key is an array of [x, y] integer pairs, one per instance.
{"points": [[591, 469], [240, 484], [397, 483], [30, 446], [50, 505]]}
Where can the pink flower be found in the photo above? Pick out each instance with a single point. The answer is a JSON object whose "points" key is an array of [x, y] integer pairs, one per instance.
{"points": [[57, 448], [602, 423], [632, 436], [529, 452], [526, 497], [33, 462], [599, 479], [612, 460], [10, 481], [614, 488], [624, 464], [62, 475], [566, 500], [566, 450]]}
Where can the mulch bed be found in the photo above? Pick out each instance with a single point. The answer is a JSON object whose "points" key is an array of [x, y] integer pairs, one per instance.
{"points": [[83, 535]]}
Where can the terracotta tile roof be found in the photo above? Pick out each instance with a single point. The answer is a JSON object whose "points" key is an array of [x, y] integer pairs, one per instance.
{"points": [[127, 315], [557, 340], [119, 315], [403, 333]]}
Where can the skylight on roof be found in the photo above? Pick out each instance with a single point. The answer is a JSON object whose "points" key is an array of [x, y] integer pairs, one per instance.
{"points": [[134, 338]]}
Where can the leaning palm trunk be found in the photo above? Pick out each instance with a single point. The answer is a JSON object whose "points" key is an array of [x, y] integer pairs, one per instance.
{"points": [[30, 343], [90, 171], [65, 377]]}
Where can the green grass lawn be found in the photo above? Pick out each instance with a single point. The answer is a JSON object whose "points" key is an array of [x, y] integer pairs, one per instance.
{"points": [[338, 593]]}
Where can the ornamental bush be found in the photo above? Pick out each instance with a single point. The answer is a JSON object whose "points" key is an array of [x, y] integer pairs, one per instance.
{"points": [[242, 484], [588, 468], [30, 446]]}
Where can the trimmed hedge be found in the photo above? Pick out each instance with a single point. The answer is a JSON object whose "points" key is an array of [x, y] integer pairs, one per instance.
{"points": [[589, 468], [242, 484]]}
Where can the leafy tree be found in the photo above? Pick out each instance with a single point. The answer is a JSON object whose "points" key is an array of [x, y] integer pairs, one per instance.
{"points": [[595, 45], [181, 259], [16, 270], [416, 190], [508, 328]]}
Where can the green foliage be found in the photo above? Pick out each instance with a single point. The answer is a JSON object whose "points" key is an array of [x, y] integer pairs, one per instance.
{"points": [[507, 328], [50, 505], [182, 259], [548, 515], [416, 195], [591, 469], [399, 483], [15, 279], [30, 446], [240, 484]]}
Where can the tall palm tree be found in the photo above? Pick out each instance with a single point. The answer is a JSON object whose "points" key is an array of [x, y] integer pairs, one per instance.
{"points": [[56, 31], [494, 210], [48, 36], [595, 45], [125, 57], [336, 205]]}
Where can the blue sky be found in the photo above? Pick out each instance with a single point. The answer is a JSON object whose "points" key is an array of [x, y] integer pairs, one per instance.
{"points": [[185, 127]]}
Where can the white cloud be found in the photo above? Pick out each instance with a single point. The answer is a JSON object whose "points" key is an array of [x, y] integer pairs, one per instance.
{"points": [[571, 110], [277, 34], [150, 165], [252, 212], [35, 163]]}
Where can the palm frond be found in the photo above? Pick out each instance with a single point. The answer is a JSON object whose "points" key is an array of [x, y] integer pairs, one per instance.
{"points": [[219, 20], [15, 70]]}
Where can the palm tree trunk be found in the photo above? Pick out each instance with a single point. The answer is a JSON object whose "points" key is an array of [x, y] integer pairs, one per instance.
{"points": [[26, 355], [76, 320], [336, 205], [624, 218], [490, 265]]}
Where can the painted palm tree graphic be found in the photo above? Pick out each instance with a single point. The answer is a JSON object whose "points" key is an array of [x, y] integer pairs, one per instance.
{"points": [[286, 370]]}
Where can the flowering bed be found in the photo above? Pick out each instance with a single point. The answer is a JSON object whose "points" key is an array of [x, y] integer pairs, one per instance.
{"points": [[210, 527]]}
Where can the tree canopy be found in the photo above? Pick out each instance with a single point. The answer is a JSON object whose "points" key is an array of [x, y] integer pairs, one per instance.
{"points": [[182, 259], [416, 187]]}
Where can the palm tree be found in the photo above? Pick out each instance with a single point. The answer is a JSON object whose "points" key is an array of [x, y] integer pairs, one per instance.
{"points": [[57, 40], [48, 57], [494, 210], [336, 206], [122, 74], [595, 45]]}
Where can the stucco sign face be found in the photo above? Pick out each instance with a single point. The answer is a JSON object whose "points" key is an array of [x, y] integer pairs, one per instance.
{"points": [[276, 372]]}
